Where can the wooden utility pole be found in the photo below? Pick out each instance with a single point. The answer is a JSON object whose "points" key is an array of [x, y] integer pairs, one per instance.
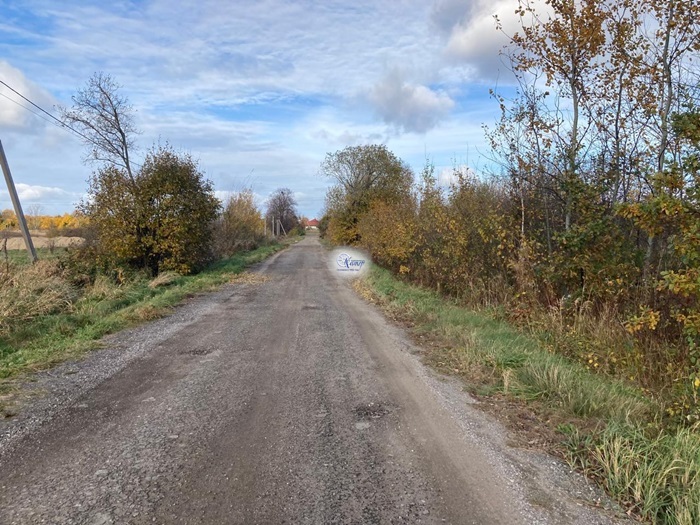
{"points": [[16, 204]]}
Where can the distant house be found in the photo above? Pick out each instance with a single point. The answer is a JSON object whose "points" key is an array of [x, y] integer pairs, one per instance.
{"points": [[312, 224]]}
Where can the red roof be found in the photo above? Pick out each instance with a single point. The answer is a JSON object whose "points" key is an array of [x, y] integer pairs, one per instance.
{"points": [[312, 222]]}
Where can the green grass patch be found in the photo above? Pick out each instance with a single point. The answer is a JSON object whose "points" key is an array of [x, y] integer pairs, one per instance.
{"points": [[103, 308], [653, 472], [610, 429], [499, 358], [22, 257]]}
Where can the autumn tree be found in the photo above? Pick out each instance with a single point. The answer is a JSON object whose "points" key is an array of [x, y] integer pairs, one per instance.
{"points": [[157, 217], [565, 47], [8, 219], [683, 279], [33, 216], [172, 229], [240, 226], [434, 234], [599, 155], [362, 174], [621, 109], [588, 131], [105, 119], [282, 207]]}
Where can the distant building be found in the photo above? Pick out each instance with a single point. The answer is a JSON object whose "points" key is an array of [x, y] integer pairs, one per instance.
{"points": [[312, 224]]}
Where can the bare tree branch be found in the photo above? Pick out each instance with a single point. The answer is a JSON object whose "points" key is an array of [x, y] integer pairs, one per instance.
{"points": [[106, 120]]}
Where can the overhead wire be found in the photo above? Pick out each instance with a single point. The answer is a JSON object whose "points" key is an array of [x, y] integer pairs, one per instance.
{"points": [[25, 107], [60, 123], [56, 120]]}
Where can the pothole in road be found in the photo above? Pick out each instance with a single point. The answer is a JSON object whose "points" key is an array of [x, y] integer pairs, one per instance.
{"points": [[197, 351], [370, 411]]}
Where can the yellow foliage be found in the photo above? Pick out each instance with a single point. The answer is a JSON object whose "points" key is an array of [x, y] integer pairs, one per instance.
{"points": [[647, 319], [387, 231], [241, 225], [44, 222]]}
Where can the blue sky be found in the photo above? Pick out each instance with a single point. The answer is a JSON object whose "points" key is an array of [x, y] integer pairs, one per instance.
{"points": [[257, 92]]}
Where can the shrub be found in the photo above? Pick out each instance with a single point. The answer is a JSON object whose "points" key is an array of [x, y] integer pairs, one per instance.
{"points": [[240, 226], [160, 219]]}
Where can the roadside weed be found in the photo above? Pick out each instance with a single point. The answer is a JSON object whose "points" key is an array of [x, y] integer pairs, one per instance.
{"points": [[655, 473], [613, 431]]}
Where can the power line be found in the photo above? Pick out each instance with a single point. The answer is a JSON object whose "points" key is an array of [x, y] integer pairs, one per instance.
{"points": [[25, 107], [32, 103], [58, 122]]}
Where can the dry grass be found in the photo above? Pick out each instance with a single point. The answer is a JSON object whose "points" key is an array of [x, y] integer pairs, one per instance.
{"points": [[103, 288], [148, 312], [31, 291], [597, 337], [17, 243], [164, 279], [656, 475]]}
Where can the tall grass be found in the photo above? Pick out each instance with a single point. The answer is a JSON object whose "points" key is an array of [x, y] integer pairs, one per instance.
{"points": [[31, 291], [599, 339], [656, 474], [612, 430], [476, 340]]}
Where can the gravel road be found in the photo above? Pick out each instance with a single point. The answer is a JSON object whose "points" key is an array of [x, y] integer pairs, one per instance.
{"points": [[289, 400]]}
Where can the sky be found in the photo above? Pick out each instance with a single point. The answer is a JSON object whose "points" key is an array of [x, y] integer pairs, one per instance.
{"points": [[258, 92]]}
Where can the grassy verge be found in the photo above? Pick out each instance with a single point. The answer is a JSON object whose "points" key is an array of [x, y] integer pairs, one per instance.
{"points": [[607, 428], [103, 308], [21, 257]]}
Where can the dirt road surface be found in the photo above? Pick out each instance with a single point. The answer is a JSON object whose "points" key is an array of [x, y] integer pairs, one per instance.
{"points": [[284, 401]]}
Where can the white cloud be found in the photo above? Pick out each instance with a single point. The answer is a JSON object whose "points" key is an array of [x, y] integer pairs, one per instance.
{"points": [[12, 114], [409, 107], [449, 176], [38, 193], [472, 38], [446, 14], [347, 137], [208, 50], [256, 91], [28, 192], [224, 195]]}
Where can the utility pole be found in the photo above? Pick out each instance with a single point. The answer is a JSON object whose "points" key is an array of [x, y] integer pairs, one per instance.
{"points": [[15, 202], [280, 225]]}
